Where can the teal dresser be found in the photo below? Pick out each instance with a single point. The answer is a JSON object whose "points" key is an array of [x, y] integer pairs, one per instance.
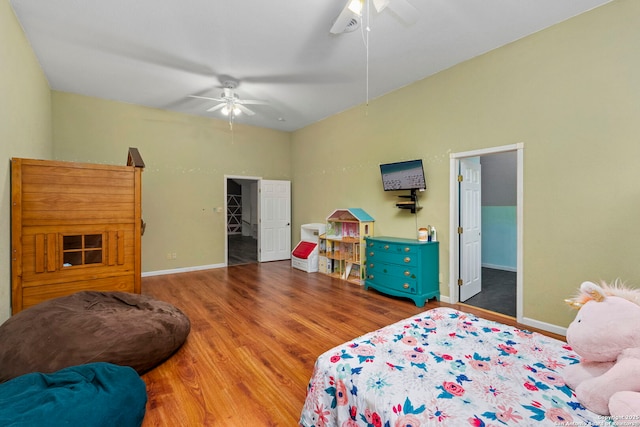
{"points": [[403, 267]]}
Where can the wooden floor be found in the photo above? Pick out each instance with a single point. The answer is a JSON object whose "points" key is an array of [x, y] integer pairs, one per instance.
{"points": [[256, 330]]}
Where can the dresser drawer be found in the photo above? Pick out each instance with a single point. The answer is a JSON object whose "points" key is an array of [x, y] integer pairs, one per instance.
{"points": [[397, 284], [377, 255], [391, 248], [400, 271]]}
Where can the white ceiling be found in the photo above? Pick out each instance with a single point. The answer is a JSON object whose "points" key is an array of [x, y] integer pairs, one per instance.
{"points": [[158, 52]]}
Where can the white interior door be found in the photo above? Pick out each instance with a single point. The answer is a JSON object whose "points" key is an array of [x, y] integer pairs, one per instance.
{"points": [[274, 238], [471, 228]]}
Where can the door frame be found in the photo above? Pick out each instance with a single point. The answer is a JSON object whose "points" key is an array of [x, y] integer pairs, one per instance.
{"points": [[226, 232], [454, 207]]}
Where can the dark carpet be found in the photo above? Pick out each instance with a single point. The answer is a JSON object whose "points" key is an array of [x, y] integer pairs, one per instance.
{"points": [[242, 249], [498, 292]]}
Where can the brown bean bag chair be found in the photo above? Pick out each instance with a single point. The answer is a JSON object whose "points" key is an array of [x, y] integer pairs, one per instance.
{"points": [[116, 327]]}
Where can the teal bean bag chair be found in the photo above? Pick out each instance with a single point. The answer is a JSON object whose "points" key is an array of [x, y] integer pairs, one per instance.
{"points": [[92, 395]]}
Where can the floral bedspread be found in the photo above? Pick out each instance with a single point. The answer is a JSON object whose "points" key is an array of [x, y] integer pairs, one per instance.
{"points": [[445, 368]]}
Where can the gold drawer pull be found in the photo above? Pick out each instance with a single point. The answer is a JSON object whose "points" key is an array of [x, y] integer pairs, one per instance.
{"points": [[370, 244], [406, 286], [371, 253], [386, 247], [407, 259], [407, 249], [407, 273], [371, 265], [371, 276]]}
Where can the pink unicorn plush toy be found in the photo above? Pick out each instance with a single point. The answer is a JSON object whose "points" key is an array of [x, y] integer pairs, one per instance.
{"points": [[606, 335]]}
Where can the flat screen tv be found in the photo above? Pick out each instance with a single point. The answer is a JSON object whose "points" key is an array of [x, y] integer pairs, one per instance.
{"points": [[408, 175]]}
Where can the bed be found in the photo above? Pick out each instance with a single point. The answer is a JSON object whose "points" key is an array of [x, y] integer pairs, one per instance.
{"points": [[445, 367]]}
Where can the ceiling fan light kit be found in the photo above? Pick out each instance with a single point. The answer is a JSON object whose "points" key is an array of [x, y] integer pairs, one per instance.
{"points": [[230, 108], [356, 6], [230, 103]]}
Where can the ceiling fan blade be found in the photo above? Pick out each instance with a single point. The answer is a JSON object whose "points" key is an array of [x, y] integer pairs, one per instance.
{"points": [[405, 11], [216, 108], [245, 110], [207, 98], [315, 78], [380, 5], [251, 102]]}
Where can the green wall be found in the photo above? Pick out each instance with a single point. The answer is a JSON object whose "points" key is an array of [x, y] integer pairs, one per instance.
{"points": [[186, 159], [25, 127], [570, 93]]}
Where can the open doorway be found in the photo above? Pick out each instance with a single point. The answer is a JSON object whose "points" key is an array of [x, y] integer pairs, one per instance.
{"points": [[242, 220], [486, 237], [258, 220]]}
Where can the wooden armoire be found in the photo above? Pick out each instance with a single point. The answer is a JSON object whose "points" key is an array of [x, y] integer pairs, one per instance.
{"points": [[74, 226]]}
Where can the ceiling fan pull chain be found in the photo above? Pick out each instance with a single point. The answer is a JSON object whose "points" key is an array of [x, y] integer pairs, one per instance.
{"points": [[368, 29]]}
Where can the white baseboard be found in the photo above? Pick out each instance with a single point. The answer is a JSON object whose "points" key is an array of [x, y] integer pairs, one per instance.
{"points": [[528, 322], [544, 326], [500, 267], [182, 270]]}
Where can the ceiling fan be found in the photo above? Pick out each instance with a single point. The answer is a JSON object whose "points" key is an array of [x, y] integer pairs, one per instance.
{"points": [[230, 103], [349, 18]]}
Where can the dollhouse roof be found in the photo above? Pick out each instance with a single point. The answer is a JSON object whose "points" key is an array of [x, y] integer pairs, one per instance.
{"points": [[350, 214]]}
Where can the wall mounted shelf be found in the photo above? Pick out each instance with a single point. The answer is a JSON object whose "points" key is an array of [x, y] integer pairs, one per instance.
{"points": [[409, 204]]}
